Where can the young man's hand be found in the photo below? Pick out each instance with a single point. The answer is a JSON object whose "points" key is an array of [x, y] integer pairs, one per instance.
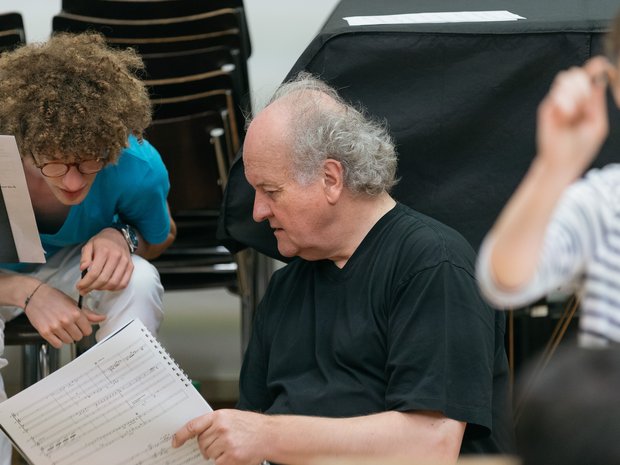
{"points": [[57, 317], [107, 258]]}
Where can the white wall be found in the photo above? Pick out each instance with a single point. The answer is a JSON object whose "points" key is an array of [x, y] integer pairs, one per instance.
{"points": [[279, 29]]}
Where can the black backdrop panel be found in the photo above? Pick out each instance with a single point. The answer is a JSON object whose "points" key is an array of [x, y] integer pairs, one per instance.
{"points": [[459, 99]]}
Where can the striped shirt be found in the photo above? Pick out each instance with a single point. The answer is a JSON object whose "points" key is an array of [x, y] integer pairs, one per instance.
{"points": [[581, 254]]}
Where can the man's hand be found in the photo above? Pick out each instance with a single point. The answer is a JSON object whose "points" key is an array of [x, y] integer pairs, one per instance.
{"points": [[108, 261], [57, 318], [229, 437]]}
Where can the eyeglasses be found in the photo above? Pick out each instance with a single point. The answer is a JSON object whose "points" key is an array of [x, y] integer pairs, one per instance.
{"points": [[56, 170]]}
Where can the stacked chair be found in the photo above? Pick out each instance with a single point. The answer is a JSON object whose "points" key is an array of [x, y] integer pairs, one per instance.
{"points": [[195, 53], [12, 31]]}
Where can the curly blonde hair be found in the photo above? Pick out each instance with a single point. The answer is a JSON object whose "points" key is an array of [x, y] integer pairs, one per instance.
{"points": [[72, 97]]}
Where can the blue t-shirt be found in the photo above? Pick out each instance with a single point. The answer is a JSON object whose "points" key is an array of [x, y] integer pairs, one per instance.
{"points": [[133, 190]]}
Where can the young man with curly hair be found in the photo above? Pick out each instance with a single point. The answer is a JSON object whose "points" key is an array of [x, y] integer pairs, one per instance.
{"points": [[78, 112]]}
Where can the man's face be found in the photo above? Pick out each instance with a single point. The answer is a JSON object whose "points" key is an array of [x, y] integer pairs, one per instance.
{"points": [[297, 213], [69, 189]]}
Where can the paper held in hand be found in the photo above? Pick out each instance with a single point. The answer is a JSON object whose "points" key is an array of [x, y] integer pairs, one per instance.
{"points": [[119, 403], [19, 237]]}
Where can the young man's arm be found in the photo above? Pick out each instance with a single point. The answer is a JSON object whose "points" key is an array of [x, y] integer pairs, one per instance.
{"points": [[54, 314], [107, 258], [234, 437], [152, 251]]}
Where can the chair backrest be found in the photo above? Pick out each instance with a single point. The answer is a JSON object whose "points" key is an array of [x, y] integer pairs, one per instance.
{"points": [[144, 9], [183, 63], [189, 95], [212, 24], [194, 148], [12, 32], [201, 61], [188, 149], [184, 40], [11, 20], [10, 39], [156, 9]]}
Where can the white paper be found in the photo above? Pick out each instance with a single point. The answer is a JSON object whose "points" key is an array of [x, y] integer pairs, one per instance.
{"points": [[117, 404], [442, 17], [18, 204]]}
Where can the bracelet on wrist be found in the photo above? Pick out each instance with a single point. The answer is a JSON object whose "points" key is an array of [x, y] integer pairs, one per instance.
{"points": [[27, 301]]}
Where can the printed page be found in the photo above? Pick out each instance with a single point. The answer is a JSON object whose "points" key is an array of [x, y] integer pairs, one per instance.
{"points": [[17, 203], [442, 17], [119, 403]]}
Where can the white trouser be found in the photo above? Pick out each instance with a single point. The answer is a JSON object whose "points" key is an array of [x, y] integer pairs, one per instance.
{"points": [[142, 298]]}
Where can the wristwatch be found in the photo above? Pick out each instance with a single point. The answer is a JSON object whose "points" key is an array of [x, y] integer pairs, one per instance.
{"points": [[130, 235]]}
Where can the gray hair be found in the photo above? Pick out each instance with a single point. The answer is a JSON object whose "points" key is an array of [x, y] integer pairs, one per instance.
{"points": [[333, 129]]}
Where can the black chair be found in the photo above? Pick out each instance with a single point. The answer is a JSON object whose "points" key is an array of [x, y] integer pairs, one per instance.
{"points": [[212, 24], [12, 21], [10, 40], [144, 9], [196, 136], [187, 87], [175, 36], [39, 358], [12, 32], [154, 9], [214, 63]]}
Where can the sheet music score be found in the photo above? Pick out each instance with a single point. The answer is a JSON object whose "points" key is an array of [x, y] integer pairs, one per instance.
{"points": [[117, 404]]}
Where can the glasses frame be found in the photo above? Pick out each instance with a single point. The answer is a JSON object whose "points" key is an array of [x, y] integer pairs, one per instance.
{"points": [[68, 166]]}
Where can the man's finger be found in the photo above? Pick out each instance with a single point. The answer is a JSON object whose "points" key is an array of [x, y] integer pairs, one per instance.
{"points": [[191, 429], [92, 316]]}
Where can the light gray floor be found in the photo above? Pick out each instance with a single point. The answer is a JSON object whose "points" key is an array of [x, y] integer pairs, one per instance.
{"points": [[202, 332]]}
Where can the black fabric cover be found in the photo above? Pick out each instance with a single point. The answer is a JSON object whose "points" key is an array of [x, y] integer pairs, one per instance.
{"points": [[460, 101]]}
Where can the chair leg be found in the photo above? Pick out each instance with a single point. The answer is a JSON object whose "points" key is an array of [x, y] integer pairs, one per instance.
{"points": [[30, 369], [39, 360]]}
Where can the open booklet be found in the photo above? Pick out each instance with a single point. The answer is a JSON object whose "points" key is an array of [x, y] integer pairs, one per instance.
{"points": [[19, 237], [119, 403]]}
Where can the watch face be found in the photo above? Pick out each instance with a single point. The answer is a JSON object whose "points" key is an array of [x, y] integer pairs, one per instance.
{"points": [[130, 235], [132, 239]]}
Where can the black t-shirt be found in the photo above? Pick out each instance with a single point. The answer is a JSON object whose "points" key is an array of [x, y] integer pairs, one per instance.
{"points": [[400, 327]]}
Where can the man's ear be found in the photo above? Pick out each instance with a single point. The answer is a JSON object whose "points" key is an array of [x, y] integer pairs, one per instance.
{"points": [[333, 179]]}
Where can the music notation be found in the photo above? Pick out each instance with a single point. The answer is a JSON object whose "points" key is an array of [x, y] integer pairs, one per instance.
{"points": [[119, 402]]}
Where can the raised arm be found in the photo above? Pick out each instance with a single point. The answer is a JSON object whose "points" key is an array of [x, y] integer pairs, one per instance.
{"points": [[234, 437], [572, 125]]}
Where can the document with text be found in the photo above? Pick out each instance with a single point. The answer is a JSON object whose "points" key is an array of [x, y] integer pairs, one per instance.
{"points": [[19, 236], [119, 403]]}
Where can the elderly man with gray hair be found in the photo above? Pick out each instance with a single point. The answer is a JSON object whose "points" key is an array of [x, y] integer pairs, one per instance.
{"points": [[373, 341]]}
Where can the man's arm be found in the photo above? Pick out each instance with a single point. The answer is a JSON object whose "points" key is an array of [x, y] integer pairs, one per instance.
{"points": [[152, 251], [234, 437], [572, 125], [54, 314]]}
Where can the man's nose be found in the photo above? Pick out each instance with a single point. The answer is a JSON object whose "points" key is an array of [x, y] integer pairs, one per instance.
{"points": [[73, 179], [261, 210]]}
